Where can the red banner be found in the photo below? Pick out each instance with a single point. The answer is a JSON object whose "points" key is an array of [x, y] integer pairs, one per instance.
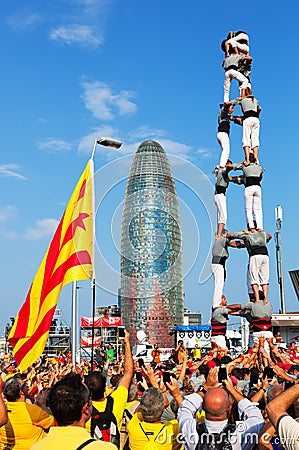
{"points": [[101, 322], [87, 340], [111, 321]]}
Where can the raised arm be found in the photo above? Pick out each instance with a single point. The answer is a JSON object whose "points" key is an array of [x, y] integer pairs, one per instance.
{"points": [[128, 364], [277, 408]]}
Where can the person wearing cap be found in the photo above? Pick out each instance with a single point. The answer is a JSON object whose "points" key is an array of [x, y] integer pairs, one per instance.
{"points": [[256, 245], [252, 179], [27, 423]]}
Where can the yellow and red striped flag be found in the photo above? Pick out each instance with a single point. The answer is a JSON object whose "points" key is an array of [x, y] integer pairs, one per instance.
{"points": [[69, 257]]}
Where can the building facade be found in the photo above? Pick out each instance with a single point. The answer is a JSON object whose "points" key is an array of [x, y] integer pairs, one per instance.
{"points": [[151, 293], [192, 318]]}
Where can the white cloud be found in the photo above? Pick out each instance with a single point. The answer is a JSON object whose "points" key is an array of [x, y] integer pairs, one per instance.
{"points": [[104, 103], [23, 21], [204, 153], [10, 170], [76, 34], [145, 132], [131, 143], [176, 148], [7, 213], [43, 228], [54, 145]]}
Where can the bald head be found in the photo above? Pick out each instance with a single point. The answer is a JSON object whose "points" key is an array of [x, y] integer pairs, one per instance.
{"points": [[216, 404]]}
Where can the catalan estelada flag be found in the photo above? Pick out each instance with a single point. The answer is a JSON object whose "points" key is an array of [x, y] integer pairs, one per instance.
{"points": [[68, 258]]}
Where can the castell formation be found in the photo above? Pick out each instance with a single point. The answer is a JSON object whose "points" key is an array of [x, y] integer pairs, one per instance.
{"points": [[237, 65]]}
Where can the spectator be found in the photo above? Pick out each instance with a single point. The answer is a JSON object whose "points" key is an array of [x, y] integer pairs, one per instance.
{"points": [[156, 354], [131, 406], [217, 406], [110, 353], [96, 383], [27, 423], [71, 405], [146, 427], [287, 427], [196, 353], [3, 412], [180, 351]]}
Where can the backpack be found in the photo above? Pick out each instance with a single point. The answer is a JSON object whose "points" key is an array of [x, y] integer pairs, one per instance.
{"points": [[151, 443], [214, 441], [104, 424], [128, 414]]}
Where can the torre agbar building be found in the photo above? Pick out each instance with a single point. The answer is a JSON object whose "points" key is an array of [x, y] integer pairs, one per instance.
{"points": [[151, 294]]}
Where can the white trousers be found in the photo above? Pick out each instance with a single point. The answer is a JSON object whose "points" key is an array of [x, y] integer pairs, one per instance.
{"points": [[253, 206], [218, 274], [219, 341], [229, 75], [251, 132], [234, 42], [220, 202], [256, 337], [259, 269], [248, 282], [223, 139]]}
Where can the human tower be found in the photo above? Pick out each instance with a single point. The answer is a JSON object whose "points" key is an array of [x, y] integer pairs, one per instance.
{"points": [[237, 66]]}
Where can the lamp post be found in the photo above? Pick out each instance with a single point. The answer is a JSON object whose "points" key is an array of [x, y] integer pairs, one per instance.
{"points": [[278, 218], [74, 322], [106, 142], [113, 143]]}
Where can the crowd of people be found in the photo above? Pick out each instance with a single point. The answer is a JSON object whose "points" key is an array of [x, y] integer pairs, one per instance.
{"points": [[196, 399]]}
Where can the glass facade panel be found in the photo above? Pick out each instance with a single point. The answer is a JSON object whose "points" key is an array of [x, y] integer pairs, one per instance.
{"points": [[151, 248]]}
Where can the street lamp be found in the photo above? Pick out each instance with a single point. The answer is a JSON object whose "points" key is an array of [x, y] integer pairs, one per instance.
{"points": [[113, 143], [106, 142], [278, 218]]}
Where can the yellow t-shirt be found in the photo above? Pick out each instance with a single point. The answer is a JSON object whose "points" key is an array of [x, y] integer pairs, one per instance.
{"points": [[69, 438], [25, 426], [163, 434], [196, 353], [120, 396]]}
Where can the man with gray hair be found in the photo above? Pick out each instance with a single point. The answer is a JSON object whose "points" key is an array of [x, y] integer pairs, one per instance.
{"points": [[146, 427], [27, 423]]}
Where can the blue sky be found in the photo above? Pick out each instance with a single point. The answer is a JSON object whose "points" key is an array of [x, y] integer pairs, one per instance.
{"points": [[74, 70]]}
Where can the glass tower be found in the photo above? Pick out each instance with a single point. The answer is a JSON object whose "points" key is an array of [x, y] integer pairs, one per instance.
{"points": [[151, 293]]}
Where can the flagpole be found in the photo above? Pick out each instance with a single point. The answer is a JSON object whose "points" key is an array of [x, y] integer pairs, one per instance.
{"points": [[74, 322], [93, 283], [106, 142], [93, 319]]}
